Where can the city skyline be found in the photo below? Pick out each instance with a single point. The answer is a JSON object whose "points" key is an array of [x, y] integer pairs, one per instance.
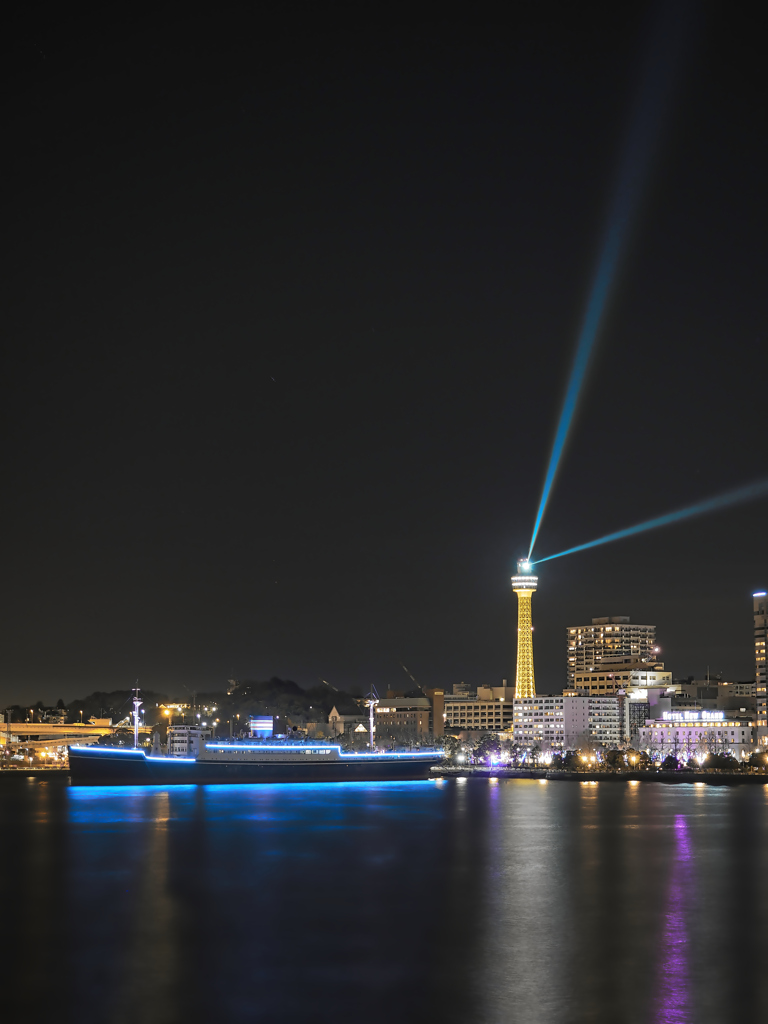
{"points": [[396, 680], [383, 513]]}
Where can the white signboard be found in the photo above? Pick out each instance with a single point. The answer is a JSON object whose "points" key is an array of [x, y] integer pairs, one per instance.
{"points": [[693, 716]]}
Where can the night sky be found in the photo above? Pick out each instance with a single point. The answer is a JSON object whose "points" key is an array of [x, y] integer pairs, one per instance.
{"points": [[290, 303]]}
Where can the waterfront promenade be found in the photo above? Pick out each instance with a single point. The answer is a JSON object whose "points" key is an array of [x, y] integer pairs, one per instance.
{"points": [[715, 777]]}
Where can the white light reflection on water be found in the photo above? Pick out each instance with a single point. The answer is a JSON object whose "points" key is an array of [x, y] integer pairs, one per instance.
{"points": [[592, 910], [513, 971]]}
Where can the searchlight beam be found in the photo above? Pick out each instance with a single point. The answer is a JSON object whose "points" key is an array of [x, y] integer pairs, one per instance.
{"points": [[663, 60], [750, 492]]}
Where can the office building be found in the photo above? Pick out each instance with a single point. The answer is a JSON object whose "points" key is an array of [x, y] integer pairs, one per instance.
{"points": [[609, 637]]}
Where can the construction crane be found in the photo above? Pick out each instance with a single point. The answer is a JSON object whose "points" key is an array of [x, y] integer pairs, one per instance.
{"points": [[413, 679]]}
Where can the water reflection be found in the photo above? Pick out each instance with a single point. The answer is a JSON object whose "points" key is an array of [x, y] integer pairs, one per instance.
{"points": [[524, 911], [468, 902], [151, 955], [674, 1004]]}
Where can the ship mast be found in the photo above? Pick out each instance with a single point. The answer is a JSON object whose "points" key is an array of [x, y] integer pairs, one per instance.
{"points": [[371, 704], [136, 705]]}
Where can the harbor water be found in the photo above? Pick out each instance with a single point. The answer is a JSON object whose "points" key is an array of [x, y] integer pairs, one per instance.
{"points": [[452, 900]]}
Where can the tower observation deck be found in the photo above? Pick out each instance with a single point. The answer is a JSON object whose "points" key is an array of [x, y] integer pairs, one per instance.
{"points": [[524, 585]]}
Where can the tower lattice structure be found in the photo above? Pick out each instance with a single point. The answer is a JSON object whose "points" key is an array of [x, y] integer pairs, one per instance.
{"points": [[524, 585]]}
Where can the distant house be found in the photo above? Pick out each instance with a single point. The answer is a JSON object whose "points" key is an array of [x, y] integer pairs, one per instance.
{"points": [[56, 716], [343, 723]]}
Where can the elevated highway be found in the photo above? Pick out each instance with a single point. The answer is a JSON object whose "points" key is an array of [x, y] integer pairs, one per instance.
{"points": [[41, 733]]}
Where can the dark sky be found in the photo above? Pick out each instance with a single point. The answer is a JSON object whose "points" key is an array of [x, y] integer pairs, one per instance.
{"points": [[290, 302]]}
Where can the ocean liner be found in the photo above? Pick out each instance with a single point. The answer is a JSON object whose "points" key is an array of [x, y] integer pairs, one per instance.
{"points": [[247, 762]]}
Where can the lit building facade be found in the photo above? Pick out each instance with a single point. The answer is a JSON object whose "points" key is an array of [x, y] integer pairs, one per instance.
{"points": [[394, 714], [687, 734], [606, 727], [571, 721], [608, 637], [614, 674], [540, 722], [491, 710], [760, 615]]}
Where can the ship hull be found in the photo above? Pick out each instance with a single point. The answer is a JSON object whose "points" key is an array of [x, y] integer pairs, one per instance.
{"points": [[106, 767]]}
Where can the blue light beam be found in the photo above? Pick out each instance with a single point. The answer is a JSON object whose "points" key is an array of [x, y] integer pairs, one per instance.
{"points": [[750, 492], [635, 158]]}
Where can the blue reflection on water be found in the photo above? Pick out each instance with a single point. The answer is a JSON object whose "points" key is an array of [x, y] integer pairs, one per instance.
{"points": [[133, 803], [242, 884]]}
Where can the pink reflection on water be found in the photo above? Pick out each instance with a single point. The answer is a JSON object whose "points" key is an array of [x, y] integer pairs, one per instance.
{"points": [[673, 997]]}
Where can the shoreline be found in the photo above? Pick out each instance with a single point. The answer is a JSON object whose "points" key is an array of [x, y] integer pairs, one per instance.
{"points": [[717, 778]]}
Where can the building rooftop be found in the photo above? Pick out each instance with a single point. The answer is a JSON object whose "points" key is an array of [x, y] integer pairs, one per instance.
{"points": [[404, 703]]}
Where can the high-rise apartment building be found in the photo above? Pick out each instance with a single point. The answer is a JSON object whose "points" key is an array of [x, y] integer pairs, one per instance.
{"points": [[760, 613], [613, 637]]}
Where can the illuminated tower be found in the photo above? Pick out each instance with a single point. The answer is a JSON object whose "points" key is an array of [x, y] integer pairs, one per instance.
{"points": [[524, 585]]}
